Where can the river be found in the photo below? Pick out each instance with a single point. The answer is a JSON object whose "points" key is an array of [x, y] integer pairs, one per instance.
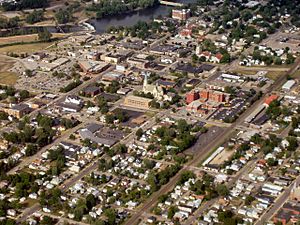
{"points": [[130, 19]]}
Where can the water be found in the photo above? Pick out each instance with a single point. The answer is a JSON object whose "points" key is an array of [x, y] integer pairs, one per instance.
{"points": [[130, 19]]}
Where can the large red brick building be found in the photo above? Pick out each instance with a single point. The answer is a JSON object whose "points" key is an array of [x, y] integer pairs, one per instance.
{"points": [[181, 14], [215, 96], [207, 95], [192, 96]]}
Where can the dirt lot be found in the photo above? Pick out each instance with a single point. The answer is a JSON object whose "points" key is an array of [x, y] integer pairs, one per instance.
{"points": [[222, 157], [8, 78]]}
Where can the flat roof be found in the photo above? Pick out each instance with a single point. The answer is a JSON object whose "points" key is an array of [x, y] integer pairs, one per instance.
{"points": [[86, 134], [137, 98]]}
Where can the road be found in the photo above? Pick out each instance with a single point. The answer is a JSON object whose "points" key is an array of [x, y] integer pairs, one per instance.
{"points": [[204, 152]]}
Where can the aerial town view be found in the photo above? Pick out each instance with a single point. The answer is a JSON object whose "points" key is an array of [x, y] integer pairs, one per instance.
{"points": [[140, 112]]}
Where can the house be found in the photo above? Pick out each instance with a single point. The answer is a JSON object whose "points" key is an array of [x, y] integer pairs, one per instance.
{"points": [[72, 104], [289, 211], [216, 58]]}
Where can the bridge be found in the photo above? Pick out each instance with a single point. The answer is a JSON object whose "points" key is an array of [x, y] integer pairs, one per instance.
{"points": [[169, 3]]}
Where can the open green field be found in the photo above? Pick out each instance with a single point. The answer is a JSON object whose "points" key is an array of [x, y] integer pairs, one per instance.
{"points": [[271, 74], [296, 74], [8, 78], [24, 48], [26, 38]]}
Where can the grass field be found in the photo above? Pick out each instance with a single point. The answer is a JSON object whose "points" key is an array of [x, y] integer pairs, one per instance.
{"points": [[24, 48], [296, 74], [245, 72], [273, 75], [8, 78], [25, 38]]}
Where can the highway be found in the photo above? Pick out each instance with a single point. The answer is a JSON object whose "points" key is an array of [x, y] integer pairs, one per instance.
{"points": [[204, 152]]}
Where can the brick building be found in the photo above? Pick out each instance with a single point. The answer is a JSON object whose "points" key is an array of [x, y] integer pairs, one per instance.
{"points": [[181, 14], [215, 96], [192, 96]]}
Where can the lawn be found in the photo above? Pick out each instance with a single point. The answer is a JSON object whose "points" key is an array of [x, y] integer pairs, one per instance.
{"points": [[25, 48], [296, 74], [245, 72], [14, 39], [273, 75], [26, 38], [8, 78]]}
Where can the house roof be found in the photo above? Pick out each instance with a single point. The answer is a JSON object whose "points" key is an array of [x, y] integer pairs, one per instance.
{"points": [[270, 99], [189, 68], [91, 89], [20, 107]]}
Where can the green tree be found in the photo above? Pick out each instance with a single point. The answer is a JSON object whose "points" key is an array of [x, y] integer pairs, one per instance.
{"points": [[24, 94], [30, 150], [44, 35], [139, 133], [35, 16], [222, 190], [171, 212], [47, 221], [111, 216], [63, 16]]}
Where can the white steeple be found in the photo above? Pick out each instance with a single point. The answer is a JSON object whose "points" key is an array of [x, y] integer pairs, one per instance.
{"points": [[145, 80]]}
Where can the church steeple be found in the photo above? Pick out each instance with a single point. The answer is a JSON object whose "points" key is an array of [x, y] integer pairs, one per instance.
{"points": [[145, 80]]}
